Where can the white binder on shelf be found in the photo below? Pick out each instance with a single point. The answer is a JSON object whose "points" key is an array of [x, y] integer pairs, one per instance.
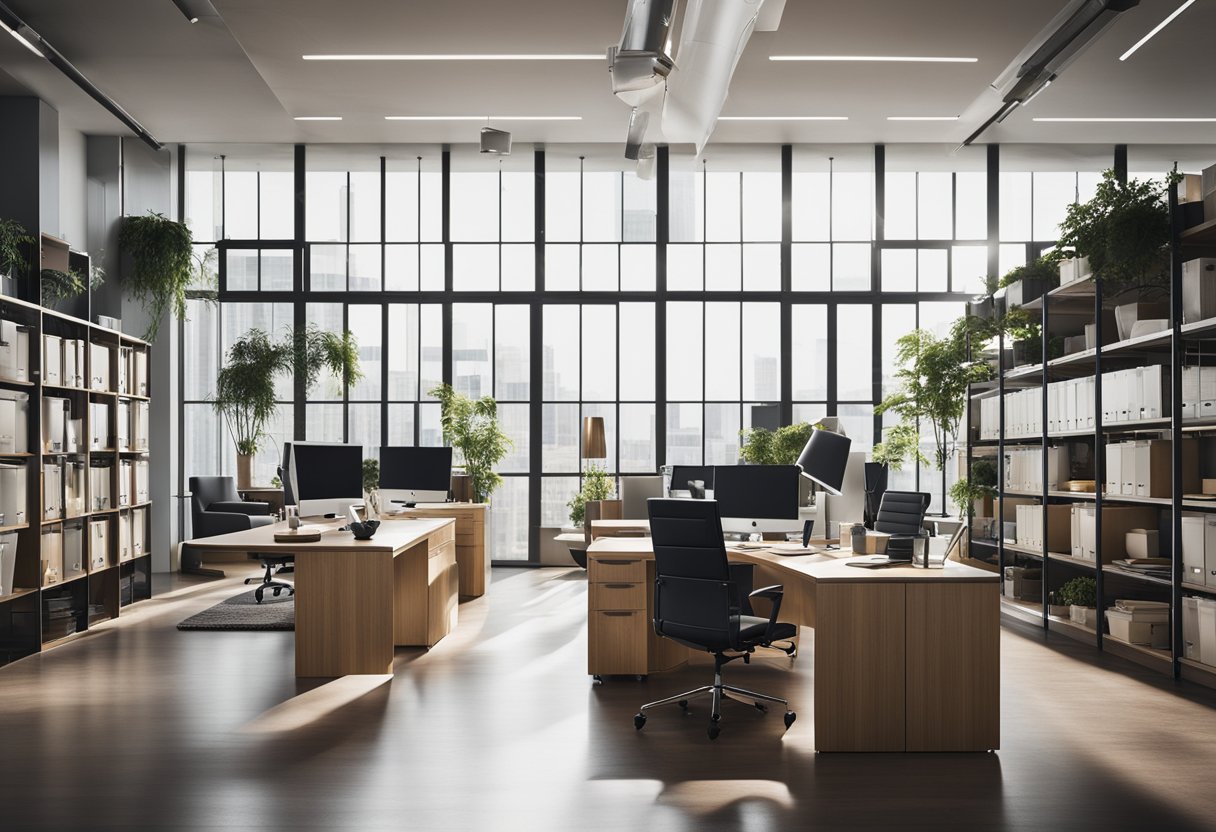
{"points": [[75, 473], [123, 428], [139, 426], [73, 551], [55, 414], [124, 537], [69, 363], [99, 487], [99, 542], [8, 562], [52, 555], [13, 494], [99, 367], [52, 491], [14, 351], [124, 483], [99, 426], [125, 363], [1193, 544], [140, 375], [52, 359], [141, 492], [139, 532], [14, 422]]}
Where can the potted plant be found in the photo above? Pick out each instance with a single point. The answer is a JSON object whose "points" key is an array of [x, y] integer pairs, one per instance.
{"points": [[973, 494], [245, 386], [162, 265], [597, 486], [371, 487], [1056, 606], [1081, 596], [57, 286], [14, 255], [471, 428], [899, 444], [934, 375], [1023, 284], [1124, 231]]}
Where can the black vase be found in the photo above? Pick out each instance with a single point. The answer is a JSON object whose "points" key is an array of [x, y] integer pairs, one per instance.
{"points": [[875, 485]]}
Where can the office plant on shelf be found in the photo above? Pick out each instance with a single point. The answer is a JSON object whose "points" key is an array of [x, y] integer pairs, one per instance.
{"points": [[1081, 597]]}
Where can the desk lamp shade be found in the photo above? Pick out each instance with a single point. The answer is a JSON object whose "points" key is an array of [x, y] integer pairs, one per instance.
{"points": [[824, 459], [594, 445]]}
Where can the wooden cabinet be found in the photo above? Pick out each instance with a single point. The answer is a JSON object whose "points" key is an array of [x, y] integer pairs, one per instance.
{"points": [[471, 561], [620, 635]]}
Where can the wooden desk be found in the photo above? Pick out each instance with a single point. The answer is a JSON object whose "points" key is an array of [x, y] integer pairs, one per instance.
{"points": [[620, 528], [267, 494], [471, 532], [357, 599], [905, 659]]}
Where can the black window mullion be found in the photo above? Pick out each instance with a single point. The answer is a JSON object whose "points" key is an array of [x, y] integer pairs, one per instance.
{"points": [[302, 283], [787, 285]]}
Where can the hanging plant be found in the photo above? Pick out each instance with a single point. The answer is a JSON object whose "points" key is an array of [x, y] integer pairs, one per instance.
{"points": [[163, 265], [58, 286], [1124, 231], [14, 261]]}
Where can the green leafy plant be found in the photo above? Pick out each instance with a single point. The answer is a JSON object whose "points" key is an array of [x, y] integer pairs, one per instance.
{"points": [[14, 259], [56, 285], [162, 253], [782, 446], [315, 349], [371, 474], [597, 485], [934, 374], [1079, 592], [245, 392], [1041, 268], [471, 427], [900, 443], [981, 484], [1124, 230]]}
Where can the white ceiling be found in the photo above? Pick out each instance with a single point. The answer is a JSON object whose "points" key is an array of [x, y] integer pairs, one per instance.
{"points": [[241, 77]]}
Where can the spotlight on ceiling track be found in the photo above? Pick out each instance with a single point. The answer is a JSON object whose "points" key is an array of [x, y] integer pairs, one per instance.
{"points": [[196, 10]]}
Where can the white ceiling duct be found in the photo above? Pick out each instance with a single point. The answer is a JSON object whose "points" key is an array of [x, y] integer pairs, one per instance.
{"points": [[679, 99]]}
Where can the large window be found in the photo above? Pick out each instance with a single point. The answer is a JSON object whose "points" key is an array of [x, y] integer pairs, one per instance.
{"points": [[773, 288]]}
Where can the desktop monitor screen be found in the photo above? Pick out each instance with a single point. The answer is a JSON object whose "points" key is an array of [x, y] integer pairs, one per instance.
{"points": [[409, 474], [758, 498], [326, 478], [681, 475]]}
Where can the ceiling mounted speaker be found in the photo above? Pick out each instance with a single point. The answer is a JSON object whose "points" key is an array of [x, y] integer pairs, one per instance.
{"points": [[495, 141]]}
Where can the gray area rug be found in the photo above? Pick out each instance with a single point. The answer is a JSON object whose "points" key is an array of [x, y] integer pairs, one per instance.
{"points": [[242, 612]]}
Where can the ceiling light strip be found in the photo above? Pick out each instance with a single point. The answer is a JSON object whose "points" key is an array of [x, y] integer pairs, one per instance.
{"points": [[1155, 30], [922, 118], [318, 118], [483, 118], [915, 59], [783, 118], [457, 57], [1116, 120]]}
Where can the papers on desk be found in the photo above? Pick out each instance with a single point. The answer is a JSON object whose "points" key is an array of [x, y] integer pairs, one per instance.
{"points": [[791, 548]]}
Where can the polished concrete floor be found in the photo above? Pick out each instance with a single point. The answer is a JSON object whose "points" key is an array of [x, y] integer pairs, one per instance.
{"points": [[139, 726]]}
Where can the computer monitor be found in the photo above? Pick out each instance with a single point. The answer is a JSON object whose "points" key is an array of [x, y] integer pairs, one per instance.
{"points": [[415, 475], [758, 498], [326, 477], [682, 475]]}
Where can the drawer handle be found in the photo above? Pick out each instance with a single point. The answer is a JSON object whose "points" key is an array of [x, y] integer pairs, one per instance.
{"points": [[617, 562], [618, 586], [616, 614]]}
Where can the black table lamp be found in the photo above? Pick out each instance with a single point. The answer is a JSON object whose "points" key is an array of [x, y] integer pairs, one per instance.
{"points": [[824, 459]]}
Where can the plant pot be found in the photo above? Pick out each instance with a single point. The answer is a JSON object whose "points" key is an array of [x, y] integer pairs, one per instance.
{"points": [[1085, 616], [462, 488], [1059, 610], [244, 467], [1021, 292], [1027, 352], [8, 285], [984, 309]]}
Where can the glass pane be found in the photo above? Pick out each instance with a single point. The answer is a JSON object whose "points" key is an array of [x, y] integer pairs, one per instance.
{"points": [[810, 413], [858, 422], [431, 268], [599, 353], [474, 207], [600, 268], [365, 428], [512, 344], [401, 268], [365, 324], [722, 207], [722, 434], [686, 195], [518, 268], [968, 266], [762, 206], [561, 268], [509, 520], [762, 267], [277, 268], [1015, 206], [762, 351], [900, 217], [898, 270], [852, 206], [430, 220], [431, 368], [327, 268], [722, 337], [723, 267], [1053, 193], [854, 363], [934, 205], [401, 205], [809, 341], [811, 267], [898, 319], [971, 206], [637, 268], [325, 204], [403, 353], [931, 270], [684, 434], [204, 435], [851, 267], [555, 493], [203, 209], [602, 206], [637, 438], [365, 206], [242, 270], [513, 418], [364, 268], [640, 216], [475, 268], [560, 437], [240, 205], [324, 423], [472, 335], [685, 337], [430, 432], [562, 203], [811, 211], [1011, 256], [328, 317], [276, 205], [200, 349], [401, 424], [518, 206], [561, 358], [684, 265], [637, 351]]}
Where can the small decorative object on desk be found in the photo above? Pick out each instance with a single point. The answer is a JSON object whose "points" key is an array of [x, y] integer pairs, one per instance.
{"points": [[305, 534], [364, 530]]}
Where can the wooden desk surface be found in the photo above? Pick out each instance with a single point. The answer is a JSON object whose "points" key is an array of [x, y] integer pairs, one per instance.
{"points": [[389, 508], [824, 566], [394, 535]]}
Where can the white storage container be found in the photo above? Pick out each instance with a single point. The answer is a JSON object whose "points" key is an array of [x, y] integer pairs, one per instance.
{"points": [[1207, 631], [14, 351], [1193, 549], [8, 561], [14, 422], [1131, 628], [1190, 628]]}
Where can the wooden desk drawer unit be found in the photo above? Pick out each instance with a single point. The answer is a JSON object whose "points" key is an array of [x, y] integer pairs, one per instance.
{"points": [[617, 570], [612, 639], [618, 596]]}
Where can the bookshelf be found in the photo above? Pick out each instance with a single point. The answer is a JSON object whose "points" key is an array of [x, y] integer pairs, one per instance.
{"points": [[76, 526], [1094, 443]]}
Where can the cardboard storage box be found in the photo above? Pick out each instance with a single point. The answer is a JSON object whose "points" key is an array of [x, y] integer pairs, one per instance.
{"points": [[1149, 627], [1116, 522], [1024, 584], [1073, 269]]}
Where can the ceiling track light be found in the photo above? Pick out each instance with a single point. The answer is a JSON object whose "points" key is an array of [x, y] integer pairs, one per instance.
{"points": [[41, 47], [1155, 30], [783, 118], [911, 59], [455, 57], [195, 10], [483, 118]]}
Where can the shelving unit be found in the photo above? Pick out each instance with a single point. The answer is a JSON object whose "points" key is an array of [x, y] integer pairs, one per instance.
{"points": [[76, 565], [1065, 310]]}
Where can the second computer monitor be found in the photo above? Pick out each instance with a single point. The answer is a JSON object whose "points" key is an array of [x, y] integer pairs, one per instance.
{"points": [[415, 475], [326, 478], [683, 475], [758, 498]]}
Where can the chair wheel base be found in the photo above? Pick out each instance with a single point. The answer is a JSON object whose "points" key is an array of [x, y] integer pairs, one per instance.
{"points": [[790, 716], [639, 719], [714, 730]]}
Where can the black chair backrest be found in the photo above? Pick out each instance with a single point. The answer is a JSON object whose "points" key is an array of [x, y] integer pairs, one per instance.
{"points": [[207, 490], [902, 512], [695, 601]]}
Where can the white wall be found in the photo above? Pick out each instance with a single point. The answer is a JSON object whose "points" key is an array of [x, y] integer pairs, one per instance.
{"points": [[73, 186]]}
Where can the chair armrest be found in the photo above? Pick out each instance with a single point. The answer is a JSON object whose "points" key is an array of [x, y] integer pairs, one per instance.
{"points": [[774, 593], [242, 507]]}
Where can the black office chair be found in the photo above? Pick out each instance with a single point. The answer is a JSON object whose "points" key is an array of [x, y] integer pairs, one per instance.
{"points": [[217, 508], [902, 512], [698, 603]]}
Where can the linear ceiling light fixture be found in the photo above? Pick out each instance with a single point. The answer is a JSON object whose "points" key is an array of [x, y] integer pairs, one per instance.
{"points": [[1155, 30], [914, 59], [783, 118], [922, 118], [318, 118], [456, 57], [1131, 120], [41, 47], [483, 118]]}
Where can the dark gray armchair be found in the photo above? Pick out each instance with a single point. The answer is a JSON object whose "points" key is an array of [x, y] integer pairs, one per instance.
{"points": [[217, 508]]}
